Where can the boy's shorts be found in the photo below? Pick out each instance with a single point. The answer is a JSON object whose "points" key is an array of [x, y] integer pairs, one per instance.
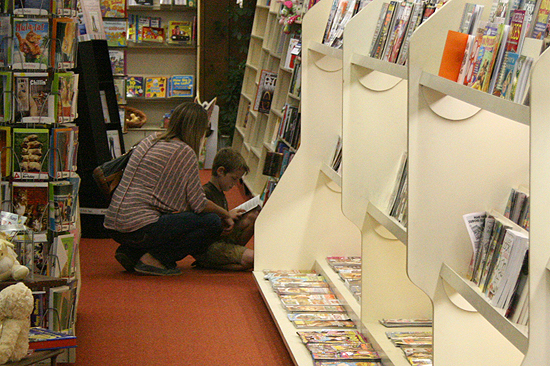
{"points": [[219, 254]]}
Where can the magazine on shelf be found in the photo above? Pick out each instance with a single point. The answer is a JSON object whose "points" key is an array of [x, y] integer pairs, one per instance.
{"points": [[331, 336], [317, 316]]}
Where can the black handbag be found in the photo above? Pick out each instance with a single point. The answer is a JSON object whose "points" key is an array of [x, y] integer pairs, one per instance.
{"points": [[108, 175]]}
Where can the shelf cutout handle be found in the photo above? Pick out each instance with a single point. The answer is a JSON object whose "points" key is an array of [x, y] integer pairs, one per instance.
{"points": [[457, 299], [448, 107], [376, 80]]}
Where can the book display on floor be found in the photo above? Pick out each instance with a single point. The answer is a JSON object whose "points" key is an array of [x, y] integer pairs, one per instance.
{"points": [[39, 138]]}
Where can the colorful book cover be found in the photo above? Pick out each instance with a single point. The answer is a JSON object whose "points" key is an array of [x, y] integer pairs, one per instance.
{"points": [[264, 94], [63, 299], [30, 199], [115, 32], [64, 43], [30, 147], [61, 197], [34, 101], [517, 31], [541, 20], [93, 23], [31, 7], [5, 150], [180, 32], [134, 87], [153, 34], [63, 251], [31, 43], [5, 41], [181, 86], [46, 339], [118, 62], [6, 85], [62, 154], [330, 336], [504, 83], [41, 252], [155, 87], [39, 309], [65, 91], [113, 8]]}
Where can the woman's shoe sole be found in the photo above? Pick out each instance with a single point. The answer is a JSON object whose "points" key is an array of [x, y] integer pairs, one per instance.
{"points": [[156, 271]]}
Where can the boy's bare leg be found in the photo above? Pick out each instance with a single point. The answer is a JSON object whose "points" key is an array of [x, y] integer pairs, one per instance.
{"points": [[245, 226]]}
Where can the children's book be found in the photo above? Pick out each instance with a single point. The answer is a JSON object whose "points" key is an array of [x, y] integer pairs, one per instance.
{"points": [[6, 85], [31, 7], [540, 20], [92, 20], [30, 148], [316, 299], [181, 86], [5, 150], [30, 199], [251, 204], [5, 41], [113, 8], [31, 43], [65, 90], [155, 87], [134, 87], [63, 299], [41, 252], [120, 90], [5, 196], [325, 324], [266, 88], [63, 250], [64, 43], [118, 62], [153, 34], [61, 197], [62, 154], [39, 309], [41, 339], [311, 308], [180, 32], [115, 32], [34, 101]]}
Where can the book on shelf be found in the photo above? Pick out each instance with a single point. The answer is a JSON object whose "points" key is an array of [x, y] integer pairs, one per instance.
{"points": [[120, 89], [540, 19], [311, 308], [324, 324], [309, 299], [180, 32], [6, 85], [347, 363], [118, 61], [113, 8], [41, 339], [30, 148], [302, 291], [382, 29], [60, 205], [39, 309], [294, 50], [115, 32], [317, 316], [64, 43], [181, 86], [63, 250], [155, 87], [343, 351], [30, 199], [331, 336], [63, 146], [453, 54], [135, 86], [470, 17], [517, 206], [5, 151], [6, 42], [264, 94], [34, 101], [62, 308], [153, 34], [31, 44], [65, 92], [503, 85], [529, 6], [272, 163], [92, 20]]}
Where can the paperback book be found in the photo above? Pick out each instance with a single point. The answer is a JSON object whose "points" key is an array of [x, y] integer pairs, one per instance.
{"points": [[134, 87], [63, 145], [63, 299], [30, 148], [65, 91], [317, 316], [118, 62], [113, 8], [155, 87], [34, 100], [331, 336], [41, 339], [180, 32], [31, 44], [64, 43], [5, 151], [181, 86], [115, 32], [30, 199], [324, 324], [264, 94]]}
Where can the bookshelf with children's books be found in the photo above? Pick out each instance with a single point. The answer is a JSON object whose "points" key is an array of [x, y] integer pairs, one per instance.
{"points": [[374, 158], [302, 223], [467, 149], [161, 49], [274, 52]]}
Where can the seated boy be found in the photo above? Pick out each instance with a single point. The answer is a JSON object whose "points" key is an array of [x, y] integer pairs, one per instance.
{"points": [[229, 252]]}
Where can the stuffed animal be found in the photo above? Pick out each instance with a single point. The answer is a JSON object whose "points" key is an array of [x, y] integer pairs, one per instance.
{"points": [[16, 306], [10, 268]]}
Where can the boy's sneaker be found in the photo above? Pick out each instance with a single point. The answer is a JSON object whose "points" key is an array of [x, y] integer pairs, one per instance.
{"points": [[125, 261], [143, 268]]}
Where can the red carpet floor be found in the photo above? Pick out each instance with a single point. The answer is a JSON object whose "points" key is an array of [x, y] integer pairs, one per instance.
{"points": [[203, 317]]}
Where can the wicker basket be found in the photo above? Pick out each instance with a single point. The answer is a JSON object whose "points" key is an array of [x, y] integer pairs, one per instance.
{"points": [[130, 122]]}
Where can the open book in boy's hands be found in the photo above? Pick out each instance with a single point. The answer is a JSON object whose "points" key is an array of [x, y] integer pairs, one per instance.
{"points": [[250, 204]]}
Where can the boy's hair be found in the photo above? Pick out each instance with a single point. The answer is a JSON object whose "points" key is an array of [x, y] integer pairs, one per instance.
{"points": [[230, 159]]}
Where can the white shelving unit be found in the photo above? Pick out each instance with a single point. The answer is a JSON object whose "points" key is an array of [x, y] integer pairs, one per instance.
{"points": [[467, 149], [374, 141], [302, 223]]}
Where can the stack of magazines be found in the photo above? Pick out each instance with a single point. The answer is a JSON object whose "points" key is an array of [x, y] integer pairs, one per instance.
{"points": [[417, 346], [349, 270]]}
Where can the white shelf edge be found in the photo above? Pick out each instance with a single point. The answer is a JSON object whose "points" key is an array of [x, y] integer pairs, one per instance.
{"points": [[327, 50], [298, 351], [331, 174], [294, 96], [256, 151], [247, 97], [286, 69], [491, 103], [339, 287], [269, 146], [518, 337], [261, 6], [240, 130], [390, 223], [389, 68], [276, 112]]}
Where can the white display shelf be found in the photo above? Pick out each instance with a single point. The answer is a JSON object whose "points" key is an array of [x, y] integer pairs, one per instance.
{"points": [[339, 287], [333, 175], [326, 50], [389, 68], [390, 223], [496, 105], [515, 333]]}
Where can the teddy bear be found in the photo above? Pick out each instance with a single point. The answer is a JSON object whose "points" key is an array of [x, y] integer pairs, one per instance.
{"points": [[10, 268], [16, 306]]}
